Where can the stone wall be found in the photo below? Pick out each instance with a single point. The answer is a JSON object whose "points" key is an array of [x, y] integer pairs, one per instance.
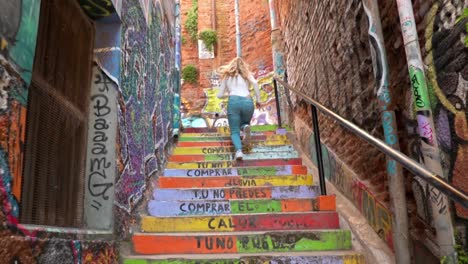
{"points": [[326, 48]]}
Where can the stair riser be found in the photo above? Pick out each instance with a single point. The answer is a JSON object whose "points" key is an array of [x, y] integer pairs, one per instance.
{"points": [[186, 208], [230, 156], [248, 171], [281, 242], [230, 164], [287, 192], [223, 150], [269, 222], [247, 181], [226, 129], [228, 143], [348, 259], [224, 138], [224, 134]]}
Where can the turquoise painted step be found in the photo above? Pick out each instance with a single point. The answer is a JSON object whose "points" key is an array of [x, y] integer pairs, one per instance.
{"points": [[219, 150]]}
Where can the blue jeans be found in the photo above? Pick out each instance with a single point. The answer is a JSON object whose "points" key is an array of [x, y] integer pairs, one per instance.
{"points": [[239, 112]]}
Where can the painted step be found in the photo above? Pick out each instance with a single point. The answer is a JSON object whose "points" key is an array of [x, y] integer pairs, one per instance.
{"points": [[242, 243], [227, 143], [265, 222], [275, 137], [235, 193], [230, 156], [230, 164], [223, 134], [225, 129], [297, 258], [240, 171], [207, 207], [229, 149], [234, 181]]}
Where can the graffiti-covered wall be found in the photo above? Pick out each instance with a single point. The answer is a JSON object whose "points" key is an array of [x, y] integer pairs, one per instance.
{"points": [[145, 102], [18, 30], [326, 45]]}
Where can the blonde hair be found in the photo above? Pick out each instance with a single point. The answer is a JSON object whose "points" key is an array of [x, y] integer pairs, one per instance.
{"points": [[236, 66]]}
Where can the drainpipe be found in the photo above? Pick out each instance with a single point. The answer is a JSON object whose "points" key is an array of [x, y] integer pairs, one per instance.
{"points": [[176, 102], [238, 34], [277, 56], [213, 14], [429, 145], [394, 170]]}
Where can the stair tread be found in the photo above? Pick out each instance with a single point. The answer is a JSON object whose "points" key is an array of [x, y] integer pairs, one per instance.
{"points": [[225, 207], [232, 164], [242, 233], [235, 193], [270, 213], [238, 171], [243, 222], [233, 181]]}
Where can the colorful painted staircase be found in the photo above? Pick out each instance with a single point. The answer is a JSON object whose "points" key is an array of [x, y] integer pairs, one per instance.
{"points": [[208, 208]]}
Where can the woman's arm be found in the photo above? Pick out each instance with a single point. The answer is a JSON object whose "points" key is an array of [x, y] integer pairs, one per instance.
{"points": [[222, 89]]}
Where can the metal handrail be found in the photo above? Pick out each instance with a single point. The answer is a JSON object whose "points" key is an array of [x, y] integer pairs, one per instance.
{"points": [[435, 180]]}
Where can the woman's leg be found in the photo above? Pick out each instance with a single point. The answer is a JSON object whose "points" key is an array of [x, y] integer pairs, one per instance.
{"points": [[234, 119], [246, 112]]}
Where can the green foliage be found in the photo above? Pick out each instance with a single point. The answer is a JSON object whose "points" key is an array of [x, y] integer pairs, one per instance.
{"points": [[461, 253], [183, 40], [209, 38], [191, 24], [190, 74]]}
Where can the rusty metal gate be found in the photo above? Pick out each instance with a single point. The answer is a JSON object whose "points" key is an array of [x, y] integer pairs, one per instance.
{"points": [[57, 118]]}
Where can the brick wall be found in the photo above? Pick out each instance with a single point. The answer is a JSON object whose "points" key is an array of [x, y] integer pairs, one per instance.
{"points": [[328, 57], [255, 40]]}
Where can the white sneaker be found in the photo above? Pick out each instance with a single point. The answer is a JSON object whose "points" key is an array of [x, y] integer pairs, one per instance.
{"points": [[246, 139], [239, 155]]}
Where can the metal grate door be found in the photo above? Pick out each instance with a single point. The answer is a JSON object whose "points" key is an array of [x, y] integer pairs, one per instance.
{"points": [[57, 118]]}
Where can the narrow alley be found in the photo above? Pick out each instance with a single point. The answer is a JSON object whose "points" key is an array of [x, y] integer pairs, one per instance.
{"points": [[117, 146]]}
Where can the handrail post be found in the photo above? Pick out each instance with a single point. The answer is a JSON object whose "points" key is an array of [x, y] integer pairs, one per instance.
{"points": [[318, 150], [278, 111]]}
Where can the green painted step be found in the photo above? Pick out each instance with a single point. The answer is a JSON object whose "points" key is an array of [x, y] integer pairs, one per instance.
{"points": [[259, 128], [329, 258], [241, 242]]}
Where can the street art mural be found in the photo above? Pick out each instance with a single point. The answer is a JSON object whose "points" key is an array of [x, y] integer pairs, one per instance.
{"points": [[214, 111], [18, 31], [447, 59], [347, 182], [145, 102]]}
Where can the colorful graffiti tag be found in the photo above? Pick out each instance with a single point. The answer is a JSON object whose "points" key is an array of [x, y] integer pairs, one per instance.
{"points": [[145, 110], [342, 177], [446, 46], [18, 30]]}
